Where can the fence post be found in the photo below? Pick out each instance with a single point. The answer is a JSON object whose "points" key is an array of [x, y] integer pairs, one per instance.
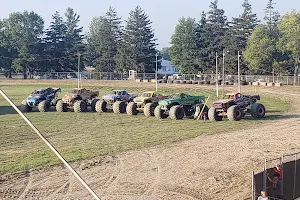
{"points": [[253, 192], [287, 80]]}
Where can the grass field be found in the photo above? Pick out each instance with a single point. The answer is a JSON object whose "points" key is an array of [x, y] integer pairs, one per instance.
{"points": [[79, 136]]}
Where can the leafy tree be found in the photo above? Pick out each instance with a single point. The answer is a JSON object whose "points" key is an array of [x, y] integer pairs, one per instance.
{"points": [[289, 42], [183, 51], [24, 30], [104, 39], [139, 43], [260, 50]]}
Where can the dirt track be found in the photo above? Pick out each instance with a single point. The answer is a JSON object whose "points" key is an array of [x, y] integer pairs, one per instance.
{"points": [[208, 167]]}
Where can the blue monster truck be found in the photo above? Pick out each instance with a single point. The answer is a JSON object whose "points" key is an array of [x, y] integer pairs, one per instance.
{"points": [[117, 101], [40, 98]]}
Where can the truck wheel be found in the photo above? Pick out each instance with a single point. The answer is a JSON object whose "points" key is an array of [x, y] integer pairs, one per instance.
{"points": [[176, 112], [43, 106], [159, 113], [93, 104], [234, 113], [131, 109], [61, 106], [258, 110], [25, 107], [119, 107], [149, 109], [101, 106], [80, 106], [213, 115]]}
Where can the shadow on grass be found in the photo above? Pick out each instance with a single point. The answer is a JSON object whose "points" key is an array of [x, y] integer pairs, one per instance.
{"points": [[7, 110]]}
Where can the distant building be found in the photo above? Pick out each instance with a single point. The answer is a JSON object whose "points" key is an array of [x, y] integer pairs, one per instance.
{"points": [[166, 68]]}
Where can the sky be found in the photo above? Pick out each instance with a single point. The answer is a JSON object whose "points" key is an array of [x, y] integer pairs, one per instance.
{"points": [[163, 13]]}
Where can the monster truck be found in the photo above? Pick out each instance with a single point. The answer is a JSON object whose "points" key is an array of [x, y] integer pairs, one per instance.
{"points": [[179, 105], [235, 106], [40, 98], [116, 101], [79, 99], [146, 102]]}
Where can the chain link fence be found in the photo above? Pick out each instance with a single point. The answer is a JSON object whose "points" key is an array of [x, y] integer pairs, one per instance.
{"points": [[205, 78]]}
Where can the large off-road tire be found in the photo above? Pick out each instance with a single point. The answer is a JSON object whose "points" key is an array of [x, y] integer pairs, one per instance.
{"points": [[93, 104], [149, 109], [80, 106], [61, 106], [119, 107], [25, 107], [101, 106], [258, 110], [176, 112], [159, 113], [213, 115], [44, 106], [131, 109], [234, 113]]}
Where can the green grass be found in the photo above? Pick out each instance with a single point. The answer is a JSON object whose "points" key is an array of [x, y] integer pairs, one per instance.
{"points": [[79, 136]]}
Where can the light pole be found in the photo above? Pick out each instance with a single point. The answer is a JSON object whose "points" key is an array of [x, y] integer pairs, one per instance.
{"points": [[156, 55], [239, 72], [217, 84], [78, 84]]}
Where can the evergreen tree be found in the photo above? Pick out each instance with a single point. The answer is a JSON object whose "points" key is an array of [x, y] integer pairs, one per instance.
{"points": [[139, 43], [56, 48], [272, 18], [183, 51], [238, 35], [104, 39], [217, 27], [73, 39]]}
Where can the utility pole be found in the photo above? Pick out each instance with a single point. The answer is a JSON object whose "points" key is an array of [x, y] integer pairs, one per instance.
{"points": [[217, 82], [156, 55], [78, 75], [239, 72], [223, 73]]}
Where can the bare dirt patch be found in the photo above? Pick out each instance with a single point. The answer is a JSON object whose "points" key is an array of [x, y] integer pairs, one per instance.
{"points": [[208, 167]]}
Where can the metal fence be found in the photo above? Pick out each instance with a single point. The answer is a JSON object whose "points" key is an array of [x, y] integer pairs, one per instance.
{"points": [[207, 78], [287, 187]]}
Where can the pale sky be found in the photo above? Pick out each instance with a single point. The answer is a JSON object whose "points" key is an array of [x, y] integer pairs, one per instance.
{"points": [[163, 13]]}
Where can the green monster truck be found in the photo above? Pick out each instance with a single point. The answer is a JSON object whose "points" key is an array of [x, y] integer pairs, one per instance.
{"points": [[146, 103], [179, 105]]}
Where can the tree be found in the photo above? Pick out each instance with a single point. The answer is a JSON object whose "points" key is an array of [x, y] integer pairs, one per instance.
{"points": [[73, 39], [240, 30], [24, 30], [183, 51], [104, 40], [56, 46], [138, 50], [165, 53], [289, 42], [217, 26], [260, 50], [272, 18]]}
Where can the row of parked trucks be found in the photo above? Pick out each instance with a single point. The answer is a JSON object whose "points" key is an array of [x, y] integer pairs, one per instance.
{"points": [[234, 106]]}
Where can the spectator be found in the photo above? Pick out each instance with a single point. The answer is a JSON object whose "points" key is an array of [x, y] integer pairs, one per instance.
{"points": [[263, 196], [278, 169]]}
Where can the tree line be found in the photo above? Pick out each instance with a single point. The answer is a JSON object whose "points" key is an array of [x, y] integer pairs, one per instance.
{"points": [[266, 47], [116, 45]]}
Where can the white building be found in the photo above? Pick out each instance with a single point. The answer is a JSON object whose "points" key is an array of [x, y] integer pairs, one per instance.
{"points": [[166, 68]]}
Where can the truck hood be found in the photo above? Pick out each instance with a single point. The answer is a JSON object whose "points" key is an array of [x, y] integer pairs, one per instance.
{"points": [[140, 99], [34, 96], [166, 102], [109, 96], [221, 101]]}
